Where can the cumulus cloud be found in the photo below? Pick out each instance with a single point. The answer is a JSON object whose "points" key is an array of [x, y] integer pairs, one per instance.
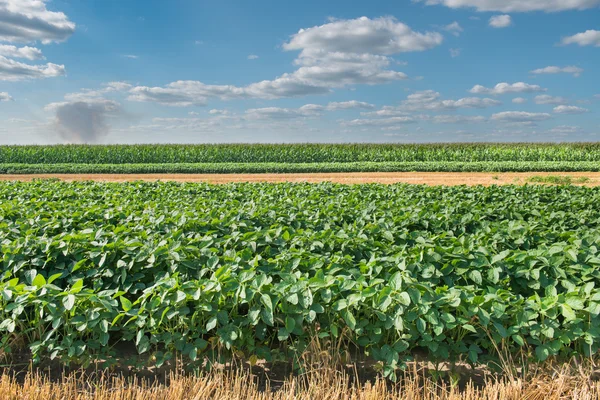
{"points": [[5, 97], [383, 122], [214, 111], [87, 94], [346, 105], [29, 53], [252, 57], [503, 88], [25, 21], [280, 113], [11, 70], [500, 21], [520, 116], [576, 71], [454, 28], [570, 110], [566, 129], [430, 100], [519, 100], [333, 55], [84, 121], [307, 110], [457, 119], [547, 99], [363, 35], [517, 5], [588, 38]]}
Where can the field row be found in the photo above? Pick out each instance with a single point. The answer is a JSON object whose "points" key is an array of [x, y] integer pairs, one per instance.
{"points": [[258, 270], [259, 168], [298, 153]]}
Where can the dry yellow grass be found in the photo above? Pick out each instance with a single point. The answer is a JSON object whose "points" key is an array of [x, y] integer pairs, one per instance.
{"points": [[566, 382]]}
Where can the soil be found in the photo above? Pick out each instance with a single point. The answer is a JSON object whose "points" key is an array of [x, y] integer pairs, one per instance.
{"points": [[428, 178]]}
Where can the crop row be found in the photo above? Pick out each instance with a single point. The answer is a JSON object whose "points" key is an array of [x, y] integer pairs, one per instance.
{"points": [[298, 153], [258, 270], [224, 168]]}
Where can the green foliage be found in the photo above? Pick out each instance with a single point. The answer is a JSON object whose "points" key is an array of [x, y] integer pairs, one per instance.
{"points": [[257, 269], [299, 153], [257, 168], [558, 179]]}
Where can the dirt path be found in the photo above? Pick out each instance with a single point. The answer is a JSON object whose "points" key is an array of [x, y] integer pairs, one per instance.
{"points": [[429, 178]]}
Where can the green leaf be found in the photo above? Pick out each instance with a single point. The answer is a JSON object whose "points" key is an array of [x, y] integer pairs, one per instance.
{"points": [[69, 302], [349, 318], [77, 286], [211, 324], [39, 281], [542, 353], [518, 340], [125, 303], [290, 324], [567, 312], [476, 277]]}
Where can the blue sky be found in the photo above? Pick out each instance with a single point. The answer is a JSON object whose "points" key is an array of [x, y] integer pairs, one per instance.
{"points": [[114, 71]]}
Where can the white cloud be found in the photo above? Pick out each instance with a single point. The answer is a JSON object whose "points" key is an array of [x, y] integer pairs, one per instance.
{"points": [[576, 71], [307, 110], [252, 57], [517, 5], [131, 56], [337, 69], [500, 21], [5, 97], [503, 88], [195, 113], [570, 110], [454, 28], [199, 42], [185, 93], [87, 94], [346, 105], [84, 121], [363, 35], [455, 53], [429, 100], [334, 55], [588, 38], [519, 100], [26, 21], [457, 119], [566, 129], [280, 113], [215, 111], [29, 53], [520, 116], [11, 70], [383, 122], [547, 99]]}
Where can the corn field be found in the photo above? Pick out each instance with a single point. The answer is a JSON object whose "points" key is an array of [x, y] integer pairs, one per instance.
{"points": [[298, 153]]}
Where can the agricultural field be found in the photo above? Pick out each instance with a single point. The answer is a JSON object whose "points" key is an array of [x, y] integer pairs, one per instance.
{"points": [[299, 158], [209, 273]]}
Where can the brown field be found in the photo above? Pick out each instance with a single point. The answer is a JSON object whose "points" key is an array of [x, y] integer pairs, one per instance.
{"points": [[428, 178]]}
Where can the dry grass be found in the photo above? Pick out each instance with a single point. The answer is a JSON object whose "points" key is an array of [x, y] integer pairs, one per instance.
{"points": [[570, 381]]}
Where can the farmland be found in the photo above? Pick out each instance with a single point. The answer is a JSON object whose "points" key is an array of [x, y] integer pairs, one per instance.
{"points": [[299, 158], [258, 270]]}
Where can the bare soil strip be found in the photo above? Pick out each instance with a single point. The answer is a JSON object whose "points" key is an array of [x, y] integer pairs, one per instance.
{"points": [[428, 178]]}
